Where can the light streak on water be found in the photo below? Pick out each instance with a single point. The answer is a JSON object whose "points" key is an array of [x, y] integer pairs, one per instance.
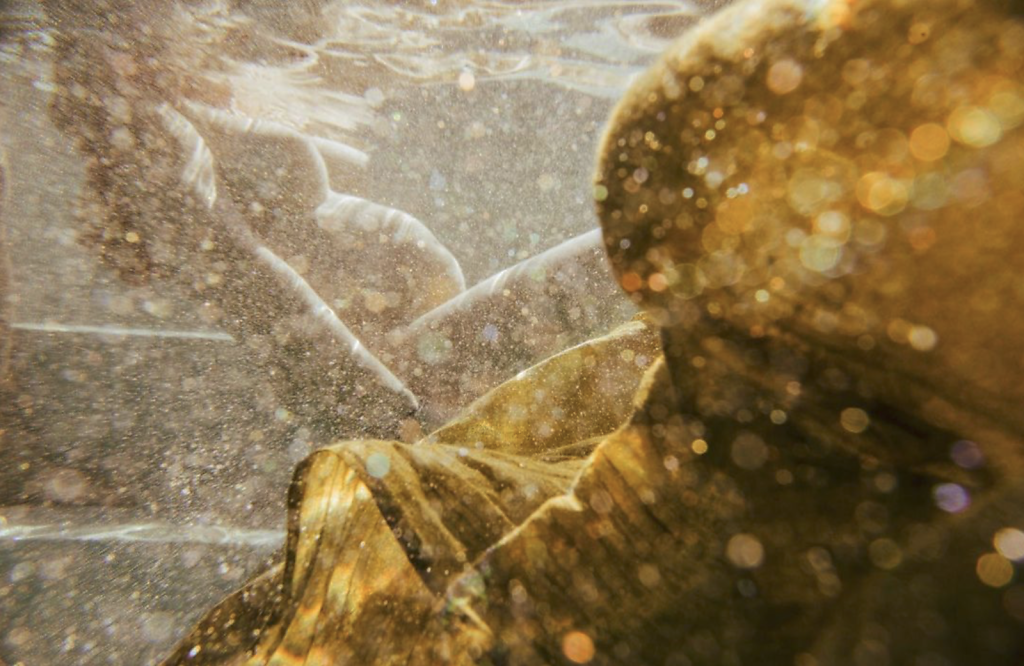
{"points": [[144, 533], [50, 327]]}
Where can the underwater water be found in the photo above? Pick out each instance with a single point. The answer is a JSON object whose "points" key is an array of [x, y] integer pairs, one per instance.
{"points": [[148, 437], [607, 333]]}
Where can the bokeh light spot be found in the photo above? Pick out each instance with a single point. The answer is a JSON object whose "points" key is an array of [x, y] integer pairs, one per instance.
{"points": [[974, 126], [885, 554], [749, 451], [994, 570], [967, 454], [922, 338], [1009, 543], [467, 81], [951, 497], [882, 194], [929, 142], [578, 647], [785, 76], [745, 551], [854, 419], [378, 465]]}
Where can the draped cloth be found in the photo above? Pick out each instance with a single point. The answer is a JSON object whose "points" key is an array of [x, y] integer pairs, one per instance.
{"points": [[378, 530]]}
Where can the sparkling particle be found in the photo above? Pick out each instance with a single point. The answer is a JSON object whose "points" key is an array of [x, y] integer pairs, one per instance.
{"points": [[749, 451], [21, 571], [1007, 104], [631, 281], [745, 551], [833, 224], [808, 191], [967, 454], [518, 592], [65, 485], [820, 253], [699, 446], [378, 465], [929, 142], [922, 338], [951, 497], [994, 570], [734, 217], [122, 138], [898, 330], [785, 76], [885, 554], [782, 150], [649, 575], [374, 96], [881, 194], [467, 81], [578, 647], [1009, 543], [886, 482], [974, 127], [854, 420], [18, 636], [918, 33]]}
